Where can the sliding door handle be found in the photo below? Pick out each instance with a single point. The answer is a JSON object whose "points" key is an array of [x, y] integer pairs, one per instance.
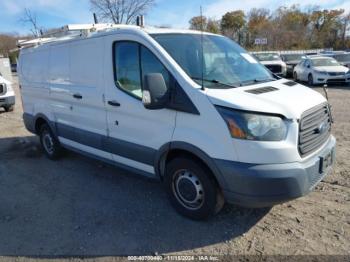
{"points": [[113, 103]]}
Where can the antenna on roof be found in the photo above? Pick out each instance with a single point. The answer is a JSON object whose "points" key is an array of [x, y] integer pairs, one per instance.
{"points": [[202, 52], [95, 18], [140, 21]]}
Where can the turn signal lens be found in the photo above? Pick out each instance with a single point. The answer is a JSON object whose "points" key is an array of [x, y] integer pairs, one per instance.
{"points": [[234, 129]]}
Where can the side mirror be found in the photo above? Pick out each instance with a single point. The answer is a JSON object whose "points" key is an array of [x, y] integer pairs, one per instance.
{"points": [[155, 93]]}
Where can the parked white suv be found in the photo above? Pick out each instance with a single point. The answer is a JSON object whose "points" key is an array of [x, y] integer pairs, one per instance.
{"points": [[321, 70], [7, 95], [273, 62], [141, 98]]}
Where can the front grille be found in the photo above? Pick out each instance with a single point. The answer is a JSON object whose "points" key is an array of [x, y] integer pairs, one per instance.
{"points": [[336, 73], [314, 129], [274, 68], [341, 80]]}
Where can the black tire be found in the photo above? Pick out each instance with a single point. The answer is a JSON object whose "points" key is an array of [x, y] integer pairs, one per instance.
{"points": [[295, 76], [310, 80], [49, 143], [188, 180], [9, 108]]}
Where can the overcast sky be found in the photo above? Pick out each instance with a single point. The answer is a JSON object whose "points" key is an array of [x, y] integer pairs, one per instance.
{"points": [[175, 13]]}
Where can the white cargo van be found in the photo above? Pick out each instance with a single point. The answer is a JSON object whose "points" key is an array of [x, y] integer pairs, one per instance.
{"points": [[193, 110]]}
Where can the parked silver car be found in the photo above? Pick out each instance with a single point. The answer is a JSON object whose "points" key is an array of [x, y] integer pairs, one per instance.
{"points": [[321, 70]]}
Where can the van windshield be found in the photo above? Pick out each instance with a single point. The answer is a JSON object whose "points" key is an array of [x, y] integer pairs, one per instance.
{"points": [[225, 64]]}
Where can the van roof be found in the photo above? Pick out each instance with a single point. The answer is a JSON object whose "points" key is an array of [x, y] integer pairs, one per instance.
{"points": [[80, 31]]}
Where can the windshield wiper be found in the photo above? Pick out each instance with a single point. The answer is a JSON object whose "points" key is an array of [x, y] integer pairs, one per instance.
{"points": [[258, 80], [214, 81]]}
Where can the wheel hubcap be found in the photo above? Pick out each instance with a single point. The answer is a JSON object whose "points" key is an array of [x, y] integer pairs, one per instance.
{"points": [[48, 143], [188, 189]]}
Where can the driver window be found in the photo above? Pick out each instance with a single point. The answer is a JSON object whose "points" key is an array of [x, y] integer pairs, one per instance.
{"points": [[127, 68], [132, 62], [151, 64]]}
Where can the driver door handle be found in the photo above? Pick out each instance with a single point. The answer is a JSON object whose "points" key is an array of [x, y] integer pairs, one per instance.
{"points": [[113, 103]]}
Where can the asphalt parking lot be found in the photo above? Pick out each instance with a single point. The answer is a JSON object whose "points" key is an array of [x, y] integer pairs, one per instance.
{"points": [[82, 207]]}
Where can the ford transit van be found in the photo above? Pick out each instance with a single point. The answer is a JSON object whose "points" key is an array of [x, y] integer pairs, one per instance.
{"points": [[194, 110]]}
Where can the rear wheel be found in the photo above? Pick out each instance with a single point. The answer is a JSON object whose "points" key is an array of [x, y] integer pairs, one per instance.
{"points": [[295, 76], [310, 80], [9, 108], [50, 144], [191, 189]]}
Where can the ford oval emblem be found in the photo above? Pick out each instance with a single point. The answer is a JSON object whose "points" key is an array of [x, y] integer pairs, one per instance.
{"points": [[321, 128]]}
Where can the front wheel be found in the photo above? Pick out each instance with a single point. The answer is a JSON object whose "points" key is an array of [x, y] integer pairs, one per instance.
{"points": [[191, 189], [50, 143], [310, 80], [9, 108]]}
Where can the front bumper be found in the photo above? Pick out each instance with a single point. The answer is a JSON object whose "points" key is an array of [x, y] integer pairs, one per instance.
{"points": [[7, 101], [327, 79], [262, 185], [290, 69]]}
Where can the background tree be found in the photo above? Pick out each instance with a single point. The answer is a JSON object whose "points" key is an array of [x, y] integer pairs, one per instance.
{"points": [[290, 25], [232, 24], [326, 26], [197, 22], [213, 26], [258, 25], [7, 43], [344, 30], [30, 19], [209, 25], [120, 11]]}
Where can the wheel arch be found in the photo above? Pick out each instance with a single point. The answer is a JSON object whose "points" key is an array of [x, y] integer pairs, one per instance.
{"points": [[178, 148], [41, 119]]}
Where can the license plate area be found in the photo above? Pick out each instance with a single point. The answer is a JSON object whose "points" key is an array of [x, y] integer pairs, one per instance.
{"points": [[326, 161]]}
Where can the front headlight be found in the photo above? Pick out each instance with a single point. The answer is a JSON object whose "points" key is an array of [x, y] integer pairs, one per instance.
{"points": [[253, 126], [320, 72]]}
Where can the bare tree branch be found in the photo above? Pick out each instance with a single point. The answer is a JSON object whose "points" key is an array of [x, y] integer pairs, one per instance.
{"points": [[120, 11], [31, 19]]}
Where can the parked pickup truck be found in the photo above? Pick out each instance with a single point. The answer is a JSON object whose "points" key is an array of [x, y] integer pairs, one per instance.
{"points": [[273, 62]]}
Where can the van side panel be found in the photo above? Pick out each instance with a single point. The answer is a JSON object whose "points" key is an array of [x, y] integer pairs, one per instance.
{"points": [[76, 82], [33, 70]]}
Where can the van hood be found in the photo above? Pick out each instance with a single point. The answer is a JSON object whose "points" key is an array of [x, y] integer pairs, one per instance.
{"points": [[289, 101]]}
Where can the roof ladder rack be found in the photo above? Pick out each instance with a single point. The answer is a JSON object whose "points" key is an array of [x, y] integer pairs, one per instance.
{"points": [[68, 30]]}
